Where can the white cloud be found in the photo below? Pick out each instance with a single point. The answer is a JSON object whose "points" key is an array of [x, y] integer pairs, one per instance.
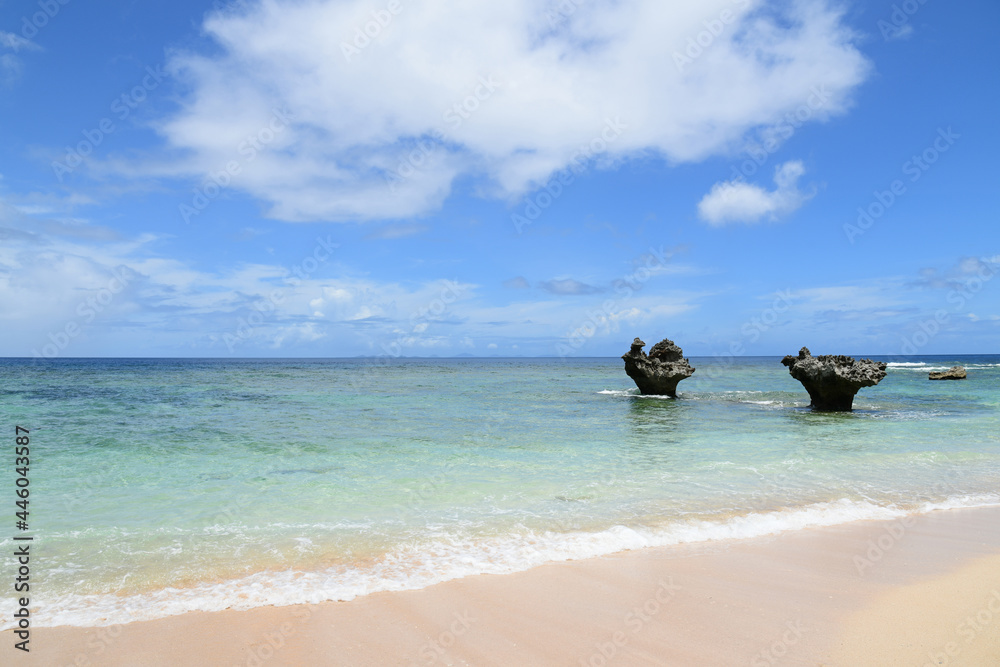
{"points": [[568, 286], [870, 295], [307, 332], [49, 281], [528, 94], [59, 287], [390, 232], [732, 201]]}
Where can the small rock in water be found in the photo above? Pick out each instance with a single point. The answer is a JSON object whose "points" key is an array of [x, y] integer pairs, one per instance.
{"points": [[953, 373]]}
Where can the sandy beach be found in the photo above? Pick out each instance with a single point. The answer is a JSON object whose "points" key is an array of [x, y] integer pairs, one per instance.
{"points": [[564, 333], [913, 591]]}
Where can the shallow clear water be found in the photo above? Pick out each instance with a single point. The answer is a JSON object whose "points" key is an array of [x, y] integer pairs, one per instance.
{"points": [[161, 486]]}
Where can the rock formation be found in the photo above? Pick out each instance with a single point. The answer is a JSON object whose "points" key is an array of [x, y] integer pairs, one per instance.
{"points": [[659, 373], [833, 380], [954, 373]]}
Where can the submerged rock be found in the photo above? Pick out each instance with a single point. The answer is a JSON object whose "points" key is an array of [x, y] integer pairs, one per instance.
{"points": [[659, 373], [953, 373], [833, 380]]}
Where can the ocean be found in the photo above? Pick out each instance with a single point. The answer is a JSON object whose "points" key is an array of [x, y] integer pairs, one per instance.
{"points": [[161, 486]]}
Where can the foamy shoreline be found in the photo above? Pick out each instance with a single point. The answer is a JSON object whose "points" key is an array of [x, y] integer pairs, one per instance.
{"points": [[498, 556], [721, 602]]}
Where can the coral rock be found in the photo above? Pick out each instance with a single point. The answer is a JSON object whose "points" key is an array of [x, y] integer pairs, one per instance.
{"points": [[659, 373], [833, 380], [954, 373]]}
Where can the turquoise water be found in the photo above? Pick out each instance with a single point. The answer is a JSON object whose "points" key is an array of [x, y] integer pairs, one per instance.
{"points": [[163, 486]]}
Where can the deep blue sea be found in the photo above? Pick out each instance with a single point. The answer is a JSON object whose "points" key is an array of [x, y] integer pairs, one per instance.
{"points": [[164, 486]]}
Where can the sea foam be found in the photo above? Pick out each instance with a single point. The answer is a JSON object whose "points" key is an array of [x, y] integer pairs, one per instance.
{"points": [[444, 559]]}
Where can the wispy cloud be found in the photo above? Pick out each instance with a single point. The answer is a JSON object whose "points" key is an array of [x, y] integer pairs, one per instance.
{"points": [[958, 275], [568, 286], [37, 219], [399, 231]]}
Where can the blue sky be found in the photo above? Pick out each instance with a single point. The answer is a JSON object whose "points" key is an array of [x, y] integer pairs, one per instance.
{"points": [[526, 178]]}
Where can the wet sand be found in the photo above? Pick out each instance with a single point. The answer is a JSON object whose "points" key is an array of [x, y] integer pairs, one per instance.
{"points": [[915, 591]]}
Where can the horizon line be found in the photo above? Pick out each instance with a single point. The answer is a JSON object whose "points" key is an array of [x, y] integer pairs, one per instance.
{"points": [[471, 356]]}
